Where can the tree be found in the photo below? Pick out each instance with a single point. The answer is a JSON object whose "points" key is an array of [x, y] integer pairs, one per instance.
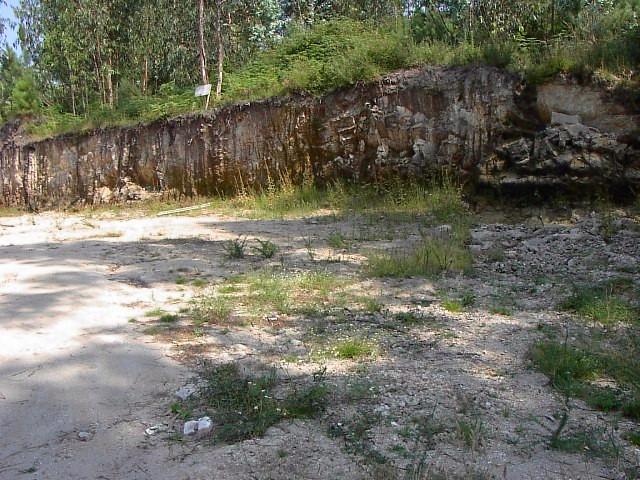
{"points": [[24, 97], [202, 53], [11, 69]]}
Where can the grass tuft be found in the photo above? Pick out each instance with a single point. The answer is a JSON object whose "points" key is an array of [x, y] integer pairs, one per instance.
{"points": [[246, 406], [168, 318], [600, 304], [354, 349], [210, 308]]}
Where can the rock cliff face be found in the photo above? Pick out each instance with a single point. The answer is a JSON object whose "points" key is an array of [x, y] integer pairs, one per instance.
{"points": [[479, 121]]}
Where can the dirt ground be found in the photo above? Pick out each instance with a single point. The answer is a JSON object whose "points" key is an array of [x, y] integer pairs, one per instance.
{"points": [[83, 374]]}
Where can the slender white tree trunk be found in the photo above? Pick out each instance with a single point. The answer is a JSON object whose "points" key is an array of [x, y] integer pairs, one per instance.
{"points": [[203, 54]]}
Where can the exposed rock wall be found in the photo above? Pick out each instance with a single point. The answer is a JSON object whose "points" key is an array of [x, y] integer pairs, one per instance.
{"points": [[480, 121]]}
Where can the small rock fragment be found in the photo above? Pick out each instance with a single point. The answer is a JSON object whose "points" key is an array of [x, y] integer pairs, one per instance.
{"points": [[160, 427], [200, 428], [84, 436], [185, 392], [205, 426], [558, 118], [190, 428]]}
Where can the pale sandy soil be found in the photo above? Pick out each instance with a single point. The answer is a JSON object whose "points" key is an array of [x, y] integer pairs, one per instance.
{"points": [[72, 360]]}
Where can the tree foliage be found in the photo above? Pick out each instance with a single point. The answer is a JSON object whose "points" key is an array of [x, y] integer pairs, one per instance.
{"points": [[109, 59]]}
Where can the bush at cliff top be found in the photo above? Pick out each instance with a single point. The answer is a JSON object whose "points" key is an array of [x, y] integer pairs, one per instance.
{"points": [[344, 52]]}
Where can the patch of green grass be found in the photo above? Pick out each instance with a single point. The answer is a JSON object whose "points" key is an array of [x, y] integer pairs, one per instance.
{"points": [[154, 330], [181, 281], [181, 411], [430, 258], [590, 442], [198, 332], [156, 312], [245, 406], [210, 307], [338, 241], [271, 290], [369, 304], [229, 288], [634, 438], [600, 304], [574, 371], [409, 318], [631, 408], [468, 299], [11, 212], [354, 349], [500, 310], [452, 306], [566, 366], [283, 199], [604, 399], [168, 318], [199, 282], [438, 202]]}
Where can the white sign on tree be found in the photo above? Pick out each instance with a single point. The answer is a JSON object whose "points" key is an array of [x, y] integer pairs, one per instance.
{"points": [[204, 91]]}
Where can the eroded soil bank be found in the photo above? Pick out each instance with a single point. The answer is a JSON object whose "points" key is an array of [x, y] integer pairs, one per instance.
{"points": [[479, 122], [426, 378]]}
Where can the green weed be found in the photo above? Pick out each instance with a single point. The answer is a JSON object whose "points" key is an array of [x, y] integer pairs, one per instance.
{"points": [[246, 406], [634, 438], [428, 259], [470, 432], [566, 366], [574, 371], [270, 290], [199, 282], [235, 248], [168, 318], [409, 318], [586, 441], [600, 304], [354, 349], [266, 249], [337, 240], [210, 307], [500, 310], [453, 306], [181, 411]]}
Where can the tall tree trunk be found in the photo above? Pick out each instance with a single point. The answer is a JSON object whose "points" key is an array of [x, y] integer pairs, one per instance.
{"points": [[98, 75], [145, 75], [73, 98], [109, 82], [220, 43], [203, 55]]}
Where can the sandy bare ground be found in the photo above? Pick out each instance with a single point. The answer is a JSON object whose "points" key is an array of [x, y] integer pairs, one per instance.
{"points": [[72, 360]]}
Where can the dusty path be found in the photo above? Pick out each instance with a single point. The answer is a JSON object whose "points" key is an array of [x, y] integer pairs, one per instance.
{"points": [[69, 363]]}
